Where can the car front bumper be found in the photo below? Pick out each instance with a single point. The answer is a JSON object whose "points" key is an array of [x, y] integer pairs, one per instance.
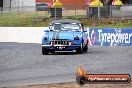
{"points": [[61, 47]]}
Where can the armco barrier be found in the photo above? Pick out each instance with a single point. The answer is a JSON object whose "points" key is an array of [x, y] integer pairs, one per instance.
{"points": [[110, 36]]}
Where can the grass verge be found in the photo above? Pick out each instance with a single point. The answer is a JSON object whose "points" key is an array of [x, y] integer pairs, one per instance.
{"points": [[41, 19]]}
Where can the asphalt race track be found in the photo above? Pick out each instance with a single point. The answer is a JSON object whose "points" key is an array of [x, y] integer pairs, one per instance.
{"points": [[23, 63]]}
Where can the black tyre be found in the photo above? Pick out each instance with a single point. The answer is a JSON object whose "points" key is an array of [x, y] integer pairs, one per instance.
{"points": [[45, 51], [79, 50], [85, 48]]}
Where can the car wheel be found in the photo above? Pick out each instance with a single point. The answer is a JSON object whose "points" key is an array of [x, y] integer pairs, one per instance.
{"points": [[85, 48], [45, 51], [79, 50]]}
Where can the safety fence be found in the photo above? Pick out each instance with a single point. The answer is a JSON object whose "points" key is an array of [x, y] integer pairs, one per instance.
{"points": [[20, 16], [109, 11]]}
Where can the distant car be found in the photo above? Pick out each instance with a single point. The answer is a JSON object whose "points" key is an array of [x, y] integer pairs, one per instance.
{"points": [[65, 35], [42, 6]]}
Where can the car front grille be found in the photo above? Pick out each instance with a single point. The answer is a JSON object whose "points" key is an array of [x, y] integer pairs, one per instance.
{"points": [[63, 42]]}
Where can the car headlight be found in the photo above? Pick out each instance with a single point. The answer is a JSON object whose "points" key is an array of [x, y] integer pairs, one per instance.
{"points": [[72, 43], [76, 38]]}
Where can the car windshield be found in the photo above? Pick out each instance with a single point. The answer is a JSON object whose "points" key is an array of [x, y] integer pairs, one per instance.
{"points": [[65, 26]]}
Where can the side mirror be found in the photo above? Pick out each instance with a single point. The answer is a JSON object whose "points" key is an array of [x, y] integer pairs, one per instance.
{"points": [[50, 26]]}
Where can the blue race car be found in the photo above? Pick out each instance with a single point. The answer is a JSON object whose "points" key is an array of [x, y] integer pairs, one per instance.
{"points": [[65, 35]]}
